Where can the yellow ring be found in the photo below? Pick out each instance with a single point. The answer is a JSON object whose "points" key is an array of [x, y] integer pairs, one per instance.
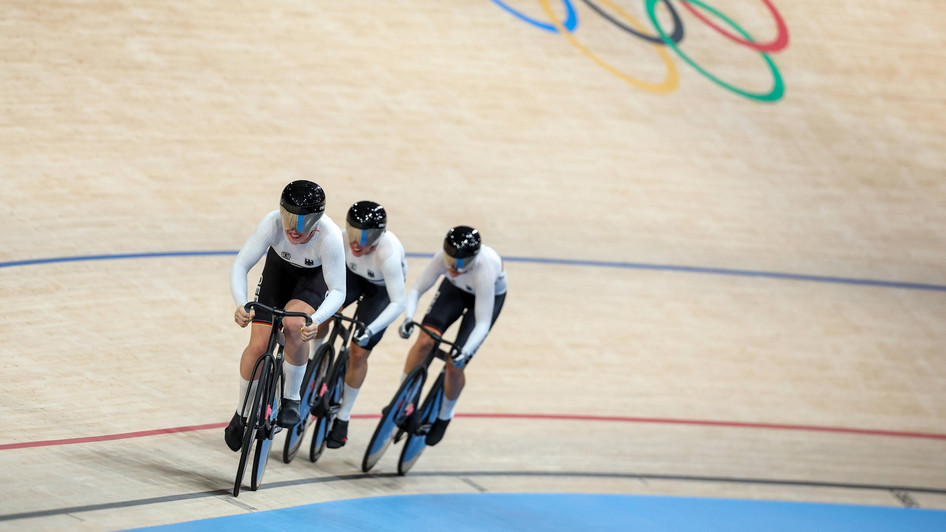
{"points": [[666, 86]]}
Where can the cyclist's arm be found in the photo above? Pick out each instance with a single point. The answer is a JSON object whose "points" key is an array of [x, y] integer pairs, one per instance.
{"points": [[252, 251], [485, 286], [332, 253], [394, 283], [434, 270]]}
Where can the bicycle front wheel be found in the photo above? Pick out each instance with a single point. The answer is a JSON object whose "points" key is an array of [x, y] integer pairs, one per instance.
{"points": [[417, 435], [395, 415], [249, 433], [265, 437]]}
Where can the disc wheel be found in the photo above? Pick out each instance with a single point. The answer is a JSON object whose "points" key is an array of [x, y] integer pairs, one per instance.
{"points": [[393, 417], [249, 435], [264, 440], [417, 434]]}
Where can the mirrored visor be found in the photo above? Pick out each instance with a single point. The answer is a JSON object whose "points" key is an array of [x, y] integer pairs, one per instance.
{"points": [[365, 238], [301, 223], [459, 265]]}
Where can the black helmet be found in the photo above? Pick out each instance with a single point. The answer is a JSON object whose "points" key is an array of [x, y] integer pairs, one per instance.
{"points": [[301, 206], [460, 247], [366, 223]]}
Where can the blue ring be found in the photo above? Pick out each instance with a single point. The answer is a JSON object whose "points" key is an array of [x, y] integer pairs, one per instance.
{"points": [[570, 22]]}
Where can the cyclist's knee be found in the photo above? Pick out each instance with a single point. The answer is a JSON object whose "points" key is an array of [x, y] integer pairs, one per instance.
{"points": [[292, 330], [424, 342], [255, 349], [358, 355]]}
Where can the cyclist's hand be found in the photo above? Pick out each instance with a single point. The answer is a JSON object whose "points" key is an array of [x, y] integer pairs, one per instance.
{"points": [[308, 333], [363, 338], [242, 317], [459, 357], [405, 329]]}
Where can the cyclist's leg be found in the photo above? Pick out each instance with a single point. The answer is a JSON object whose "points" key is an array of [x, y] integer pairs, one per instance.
{"points": [[296, 358], [373, 302], [445, 308], [310, 289], [455, 378], [308, 293]]}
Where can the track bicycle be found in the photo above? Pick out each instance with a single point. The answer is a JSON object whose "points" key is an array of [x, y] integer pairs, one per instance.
{"points": [[402, 417], [325, 394], [261, 424]]}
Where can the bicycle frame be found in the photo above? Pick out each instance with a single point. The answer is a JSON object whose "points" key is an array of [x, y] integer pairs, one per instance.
{"points": [[267, 357], [261, 426]]}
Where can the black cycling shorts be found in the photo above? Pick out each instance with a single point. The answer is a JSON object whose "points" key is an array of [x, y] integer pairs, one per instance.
{"points": [[374, 299], [282, 282], [450, 303]]}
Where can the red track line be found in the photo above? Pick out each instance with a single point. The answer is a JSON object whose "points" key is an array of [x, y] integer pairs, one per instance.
{"points": [[733, 424]]}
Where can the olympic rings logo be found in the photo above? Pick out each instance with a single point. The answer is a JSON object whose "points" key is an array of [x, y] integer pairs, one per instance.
{"points": [[663, 40]]}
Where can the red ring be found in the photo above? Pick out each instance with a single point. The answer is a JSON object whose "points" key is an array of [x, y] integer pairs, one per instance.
{"points": [[780, 42]]}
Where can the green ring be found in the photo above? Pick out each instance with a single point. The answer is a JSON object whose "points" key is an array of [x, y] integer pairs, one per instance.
{"points": [[777, 91]]}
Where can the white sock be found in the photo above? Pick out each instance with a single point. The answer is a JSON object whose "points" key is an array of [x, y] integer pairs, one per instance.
{"points": [[446, 409], [293, 376], [348, 401], [244, 385]]}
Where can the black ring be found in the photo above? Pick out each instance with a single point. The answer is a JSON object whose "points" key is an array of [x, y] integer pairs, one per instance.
{"points": [[676, 36]]}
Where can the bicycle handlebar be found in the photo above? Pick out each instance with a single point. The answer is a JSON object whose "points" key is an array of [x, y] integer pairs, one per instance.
{"points": [[436, 337], [359, 325], [279, 312]]}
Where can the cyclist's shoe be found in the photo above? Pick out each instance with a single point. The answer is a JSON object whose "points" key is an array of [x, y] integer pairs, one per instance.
{"points": [[288, 413], [436, 431], [338, 435], [233, 434]]}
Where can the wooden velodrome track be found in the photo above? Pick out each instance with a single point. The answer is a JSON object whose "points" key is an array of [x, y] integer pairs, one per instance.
{"points": [[710, 295]]}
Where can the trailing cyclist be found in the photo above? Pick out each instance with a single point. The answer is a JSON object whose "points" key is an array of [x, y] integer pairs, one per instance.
{"points": [[377, 269], [474, 288]]}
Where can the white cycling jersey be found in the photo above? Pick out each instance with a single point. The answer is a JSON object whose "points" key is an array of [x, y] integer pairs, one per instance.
{"points": [[486, 279], [326, 249], [385, 266]]}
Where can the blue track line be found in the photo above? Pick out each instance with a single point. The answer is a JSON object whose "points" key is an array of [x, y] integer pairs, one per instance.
{"points": [[534, 260]]}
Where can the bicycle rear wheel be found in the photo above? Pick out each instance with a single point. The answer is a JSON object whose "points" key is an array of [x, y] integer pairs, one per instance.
{"points": [[315, 376], [417, 435], [331, 400], [265, 436], [249, 434], [395, 415]]}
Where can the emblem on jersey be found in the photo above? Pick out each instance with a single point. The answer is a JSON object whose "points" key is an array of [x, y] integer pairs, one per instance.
{"points": [[371, 274], [286, 255], [352, 267], [470, 288], [309, 262]]}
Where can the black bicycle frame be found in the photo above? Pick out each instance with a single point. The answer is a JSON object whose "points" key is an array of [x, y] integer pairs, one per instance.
{"points": [[267, 357]]}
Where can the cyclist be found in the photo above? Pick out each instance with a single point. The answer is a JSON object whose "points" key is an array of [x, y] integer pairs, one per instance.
{"points": [[475, 279], [377, 269], [304, 272]]}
